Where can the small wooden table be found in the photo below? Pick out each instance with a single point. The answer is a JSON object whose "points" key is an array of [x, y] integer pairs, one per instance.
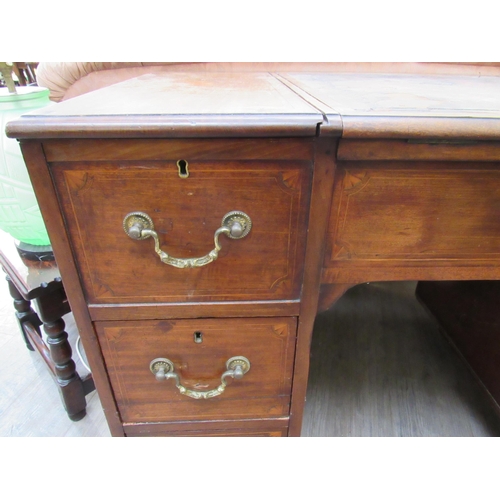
{"points": [[40, 281]]}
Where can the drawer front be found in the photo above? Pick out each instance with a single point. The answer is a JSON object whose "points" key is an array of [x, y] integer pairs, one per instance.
{"points": [[277, 427], [266, 264], [199, 351], [218, 433], [413, 213]]}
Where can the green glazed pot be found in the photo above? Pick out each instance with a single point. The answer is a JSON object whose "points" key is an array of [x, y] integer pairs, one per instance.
{"points": [[19, 212]]}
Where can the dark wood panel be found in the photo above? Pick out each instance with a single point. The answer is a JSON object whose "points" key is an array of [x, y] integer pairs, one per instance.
{"points": [[171, 126], [108, 312], [268, 343], [468, 313], [265, 265], [324, 171], [172, 149], [418, 127], [426, 149], [411, 215], [367, 271], [262, 427], [219, 433]]}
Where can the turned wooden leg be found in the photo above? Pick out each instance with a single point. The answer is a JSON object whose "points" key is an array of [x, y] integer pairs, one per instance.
{"points": [[67, 378], [24, 313]]}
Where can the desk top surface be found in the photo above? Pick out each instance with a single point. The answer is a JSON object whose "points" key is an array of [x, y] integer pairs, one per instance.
{"points": [[287, 104], [178, 105], [403, 95]]}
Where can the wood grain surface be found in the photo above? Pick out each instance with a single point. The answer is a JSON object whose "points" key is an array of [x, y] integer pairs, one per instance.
{"points": [[417, 150], [414, 214], [268, 343], [265, 265], [264, 427], [324, 171]]}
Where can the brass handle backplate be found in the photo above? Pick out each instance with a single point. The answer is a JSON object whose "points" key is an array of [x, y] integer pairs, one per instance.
{"points": [[139, 226], [163, 369]]}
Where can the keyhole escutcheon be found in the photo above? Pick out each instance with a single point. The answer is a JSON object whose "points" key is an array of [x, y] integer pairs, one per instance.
{"points": [[182, 165]]}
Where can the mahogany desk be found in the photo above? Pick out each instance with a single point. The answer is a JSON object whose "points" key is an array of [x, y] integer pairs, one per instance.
{"points": [[200, 221]]}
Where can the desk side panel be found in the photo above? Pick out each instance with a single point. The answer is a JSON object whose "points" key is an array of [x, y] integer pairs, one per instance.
{"points": [[51, 212]]}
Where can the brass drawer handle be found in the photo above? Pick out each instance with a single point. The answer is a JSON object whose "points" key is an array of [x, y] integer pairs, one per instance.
{"points": [[236, 367], [235, 225]]}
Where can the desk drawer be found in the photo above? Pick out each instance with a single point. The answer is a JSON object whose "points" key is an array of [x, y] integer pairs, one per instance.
{"points": [[199, 351], [277, 427], [266, 264], [413, 214]]}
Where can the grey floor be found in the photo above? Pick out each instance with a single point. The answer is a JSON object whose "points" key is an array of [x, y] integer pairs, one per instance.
{"points": [[379, 368]]}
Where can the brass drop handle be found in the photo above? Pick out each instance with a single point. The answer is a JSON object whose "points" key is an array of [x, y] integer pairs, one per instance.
{"points": [[139, 226], [163, 369]]}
